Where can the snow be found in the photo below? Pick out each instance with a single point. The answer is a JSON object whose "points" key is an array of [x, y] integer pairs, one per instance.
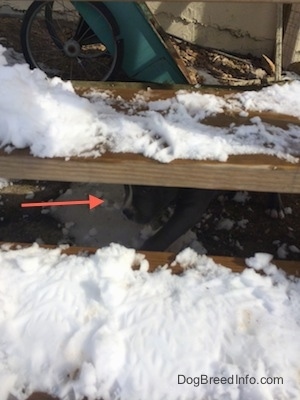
{"points": [[294, 249], [3, 183], [241, 197], [91, 326], [49, 118], [77, 326], [225, 224]]}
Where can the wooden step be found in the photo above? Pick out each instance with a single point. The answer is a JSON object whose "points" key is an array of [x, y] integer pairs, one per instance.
{"points": [[157, 259], [253, 173], [244, 172]]}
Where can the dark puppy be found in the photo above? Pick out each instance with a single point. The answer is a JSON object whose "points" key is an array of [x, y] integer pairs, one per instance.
{"points": [[144, 203], [275, 206]]}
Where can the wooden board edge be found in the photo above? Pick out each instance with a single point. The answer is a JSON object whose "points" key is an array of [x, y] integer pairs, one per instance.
{"points": [[252, 173], [161, 259]]}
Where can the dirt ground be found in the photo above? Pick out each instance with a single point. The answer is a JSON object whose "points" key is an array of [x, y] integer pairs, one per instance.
{"points": [[229, 227]]}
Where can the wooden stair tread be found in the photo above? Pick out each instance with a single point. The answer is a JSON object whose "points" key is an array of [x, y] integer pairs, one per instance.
{"points": [[243, 172], [248, 172], [157, 259]]}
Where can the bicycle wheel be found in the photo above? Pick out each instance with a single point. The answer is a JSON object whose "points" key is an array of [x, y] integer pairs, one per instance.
{"points": [[56, 39]]}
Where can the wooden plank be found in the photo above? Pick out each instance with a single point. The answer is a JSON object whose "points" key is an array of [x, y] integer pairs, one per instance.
{"points": [[279, 38], [247, 172], [128, 91], [153, 91], [155, 258], [158, 259], [39, 396]]}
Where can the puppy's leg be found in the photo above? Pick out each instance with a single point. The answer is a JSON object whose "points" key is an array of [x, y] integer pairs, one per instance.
{"points": [[275, 206], [190, 207]]}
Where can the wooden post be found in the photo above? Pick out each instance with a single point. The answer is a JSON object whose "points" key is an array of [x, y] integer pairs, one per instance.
{"points": [[279, 30]]}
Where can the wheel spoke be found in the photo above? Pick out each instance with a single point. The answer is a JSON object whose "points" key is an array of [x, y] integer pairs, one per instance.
{"points": [[57, 39], [82, 30]]}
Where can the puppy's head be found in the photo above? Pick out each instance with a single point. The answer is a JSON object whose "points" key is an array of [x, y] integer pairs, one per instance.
{"points": [[144, 203]]}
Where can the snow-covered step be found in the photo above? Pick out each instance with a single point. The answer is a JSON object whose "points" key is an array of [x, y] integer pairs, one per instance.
{"points": [[130, 134], [78, 326]]}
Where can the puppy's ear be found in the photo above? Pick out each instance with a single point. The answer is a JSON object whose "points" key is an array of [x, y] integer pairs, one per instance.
{"points": [[127, 202]]}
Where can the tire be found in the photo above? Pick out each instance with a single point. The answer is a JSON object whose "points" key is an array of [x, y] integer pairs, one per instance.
{"points": [[56, 39]]}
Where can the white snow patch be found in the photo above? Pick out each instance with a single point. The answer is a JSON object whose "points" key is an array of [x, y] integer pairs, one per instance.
{"points": [[3, 183], [241, 197], [48, 117], [94, 327], [225, 224], [243, 223], [294, 249], [282, 251]]}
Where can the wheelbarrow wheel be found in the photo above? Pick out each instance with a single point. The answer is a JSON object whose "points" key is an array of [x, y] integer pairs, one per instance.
{"points": [[58, 40]]}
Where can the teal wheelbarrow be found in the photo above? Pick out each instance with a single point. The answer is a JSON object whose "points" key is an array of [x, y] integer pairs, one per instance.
{"points": [[85, 40]]}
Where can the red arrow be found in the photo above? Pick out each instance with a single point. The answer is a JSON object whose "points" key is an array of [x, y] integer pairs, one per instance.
{"points": [[92, 202]]}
